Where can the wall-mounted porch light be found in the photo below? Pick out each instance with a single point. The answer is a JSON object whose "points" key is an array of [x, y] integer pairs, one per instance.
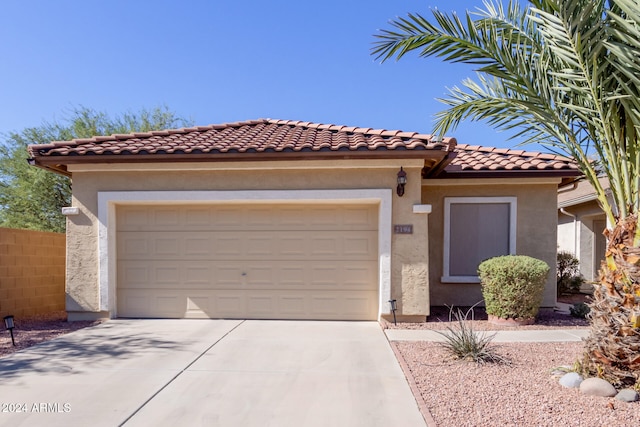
{"points": [[402, 180], [8, 324]]}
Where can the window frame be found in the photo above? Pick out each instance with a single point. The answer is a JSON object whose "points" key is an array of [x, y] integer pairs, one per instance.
{"points": [[446, 253]]}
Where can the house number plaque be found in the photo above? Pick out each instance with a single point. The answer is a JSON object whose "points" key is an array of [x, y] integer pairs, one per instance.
{"points": [[403, 229]]}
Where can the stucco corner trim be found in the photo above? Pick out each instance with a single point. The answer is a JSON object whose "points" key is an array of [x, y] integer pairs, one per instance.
{"points": [[108, 200]]}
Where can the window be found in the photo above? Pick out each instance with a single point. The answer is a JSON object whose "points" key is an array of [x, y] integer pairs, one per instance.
{"points": [[476, 229]]}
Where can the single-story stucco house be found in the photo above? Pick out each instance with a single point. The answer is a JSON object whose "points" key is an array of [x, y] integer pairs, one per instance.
{"points": [[276, 219], [581, 223]]}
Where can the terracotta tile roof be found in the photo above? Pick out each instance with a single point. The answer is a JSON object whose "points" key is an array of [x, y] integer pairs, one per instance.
{"points": [[475, 158], [269, 139], [248, 137]]}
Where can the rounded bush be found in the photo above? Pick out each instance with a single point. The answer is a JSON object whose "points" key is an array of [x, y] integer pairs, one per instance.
{"points": [[513, 285]]}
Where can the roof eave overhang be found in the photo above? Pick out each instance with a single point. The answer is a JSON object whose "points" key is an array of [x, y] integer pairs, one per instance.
{"points": [[535, 173], [50, 166], [577, 201], [58, 164]]}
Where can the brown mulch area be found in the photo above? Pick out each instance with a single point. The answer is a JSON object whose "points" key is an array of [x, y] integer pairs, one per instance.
{"points": [[33, 330], [574, 298]]}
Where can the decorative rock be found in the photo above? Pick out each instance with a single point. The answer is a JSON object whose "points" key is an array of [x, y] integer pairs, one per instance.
{"points": [[571, 380], [597, 387], [627, 395]]}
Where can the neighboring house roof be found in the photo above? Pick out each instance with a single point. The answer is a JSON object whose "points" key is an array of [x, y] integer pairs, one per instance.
{"points": [[580, 192], [263, 139], [269, 139]]}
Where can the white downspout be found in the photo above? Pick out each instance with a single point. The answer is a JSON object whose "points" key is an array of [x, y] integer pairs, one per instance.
{"points": [[575, 231]]}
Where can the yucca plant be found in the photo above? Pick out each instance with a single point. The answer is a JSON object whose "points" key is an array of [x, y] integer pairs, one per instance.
{"points": [[462, 342], [564, 74]]}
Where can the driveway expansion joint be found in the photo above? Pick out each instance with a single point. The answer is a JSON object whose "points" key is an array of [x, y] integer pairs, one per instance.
{"points": [[180, 372]]}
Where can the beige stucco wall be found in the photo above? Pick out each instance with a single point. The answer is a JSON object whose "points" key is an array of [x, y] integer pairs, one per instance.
{"points": [[536, 230], [409, 253]]}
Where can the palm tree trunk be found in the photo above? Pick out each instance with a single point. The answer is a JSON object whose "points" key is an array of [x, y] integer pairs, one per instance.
{"points": [[612, 350]]}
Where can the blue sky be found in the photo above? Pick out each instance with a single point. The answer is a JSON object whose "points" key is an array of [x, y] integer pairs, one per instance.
{"points": [[222, 60]]}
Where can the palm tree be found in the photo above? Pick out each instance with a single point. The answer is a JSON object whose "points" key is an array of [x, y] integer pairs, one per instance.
{"points": [[564, 74]]}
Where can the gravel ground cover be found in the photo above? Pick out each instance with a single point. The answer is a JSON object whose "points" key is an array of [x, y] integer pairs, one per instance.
{"points": [[523, 393], [33, 330]]}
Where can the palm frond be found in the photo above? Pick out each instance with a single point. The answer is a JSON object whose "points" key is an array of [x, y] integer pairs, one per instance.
{"points": [[562, 73]]}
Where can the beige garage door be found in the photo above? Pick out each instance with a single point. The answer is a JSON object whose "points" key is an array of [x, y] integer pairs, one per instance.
{"points": [[259, 261]]}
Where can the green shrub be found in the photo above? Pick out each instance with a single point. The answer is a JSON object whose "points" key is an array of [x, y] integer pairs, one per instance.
{"points": [[568, 277], [579, 310], [462, 342], [513, 285]]}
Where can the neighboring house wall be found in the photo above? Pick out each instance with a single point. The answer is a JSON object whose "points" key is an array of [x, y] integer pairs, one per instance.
{"points": [[408, 257], [32, 272], [535, 201], [580, 229]]}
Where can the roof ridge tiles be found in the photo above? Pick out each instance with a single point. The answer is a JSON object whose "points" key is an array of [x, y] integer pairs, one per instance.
{"points": [[408, 135], [390, 133]]}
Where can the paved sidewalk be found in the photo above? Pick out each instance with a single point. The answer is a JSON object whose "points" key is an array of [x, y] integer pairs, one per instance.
{"points": [[530, 335]]}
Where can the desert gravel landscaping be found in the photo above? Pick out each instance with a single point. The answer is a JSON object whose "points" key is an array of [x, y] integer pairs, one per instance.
{"points": [[34, 330], [525, 393], [522, 393]]}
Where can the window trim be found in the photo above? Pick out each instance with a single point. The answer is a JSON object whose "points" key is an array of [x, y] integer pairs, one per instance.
{"points": [[448, 201]]}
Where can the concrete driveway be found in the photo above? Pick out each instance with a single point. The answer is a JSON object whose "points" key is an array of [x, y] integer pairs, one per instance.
{"points": [[209, 372]]}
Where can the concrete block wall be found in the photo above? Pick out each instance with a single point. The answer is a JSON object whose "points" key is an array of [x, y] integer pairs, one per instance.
{"points": [[32, 272]]}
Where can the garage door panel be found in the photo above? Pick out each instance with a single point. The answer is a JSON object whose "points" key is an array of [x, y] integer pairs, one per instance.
{"points": [[198, 217], [293, 218], [261, 305], [293, 246], [345, 305], [168, 275], [362, 247], [241, 217], [338, 275], [226, 217], [158, 304], [196, 246], [166, 216], [360, 217], [198, 275], [227, 275], [199, 306], [250, 245], [229, 304], [261, 245], [248, 261], [157, 274], [292, 275]]}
